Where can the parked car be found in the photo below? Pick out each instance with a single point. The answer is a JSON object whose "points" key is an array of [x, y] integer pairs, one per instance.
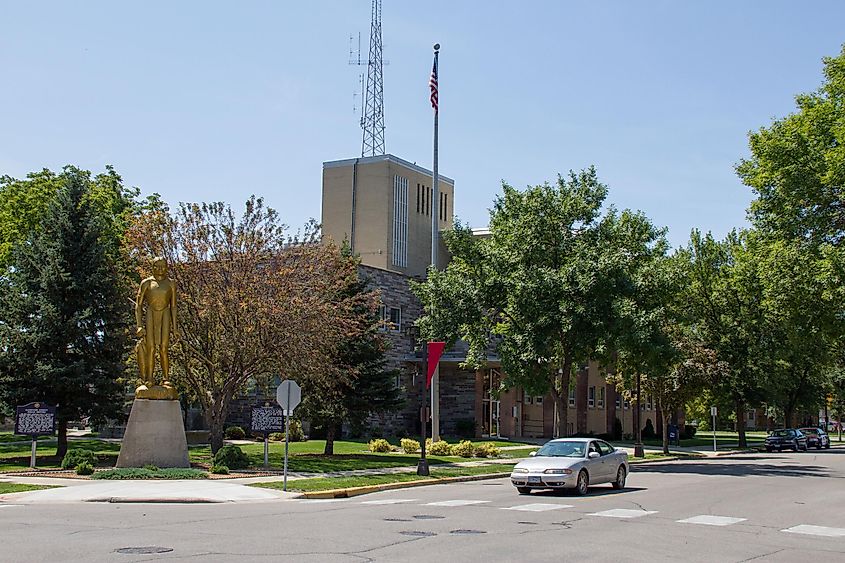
{"points": [[786, 439], [571, 463], [816, 438]]}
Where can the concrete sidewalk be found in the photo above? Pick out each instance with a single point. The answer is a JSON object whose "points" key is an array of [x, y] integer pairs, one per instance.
{"points": [[188, 491]]}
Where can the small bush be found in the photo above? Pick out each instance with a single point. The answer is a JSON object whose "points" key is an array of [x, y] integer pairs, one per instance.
{"points": [[232, 457], [689, 432], [487, 449], [219, 469], [235, 433], [409, 446], [73, 458], [464, 448], [277, 436], [84, 468], [296, 433], [379, 445], [151, 467], [440, 447], [648, 431]]}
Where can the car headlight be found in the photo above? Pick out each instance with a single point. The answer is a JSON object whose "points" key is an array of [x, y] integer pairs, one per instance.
{"points": [[520, 470], [559, 471]]}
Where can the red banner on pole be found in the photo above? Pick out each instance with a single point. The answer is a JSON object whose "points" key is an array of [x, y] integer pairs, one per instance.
{"points": [[435, 350]]}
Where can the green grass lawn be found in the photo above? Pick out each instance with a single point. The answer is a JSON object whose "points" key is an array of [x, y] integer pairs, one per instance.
{"points": [[324, 484], [6, 488], [10, 437], [16, 457], [704, 439]]}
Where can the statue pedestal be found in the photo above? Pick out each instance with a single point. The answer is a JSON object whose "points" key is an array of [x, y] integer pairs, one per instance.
{"points": [[155, 435]]}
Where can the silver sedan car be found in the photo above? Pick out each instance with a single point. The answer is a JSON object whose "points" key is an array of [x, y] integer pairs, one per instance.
{"points": [[571, 463]]}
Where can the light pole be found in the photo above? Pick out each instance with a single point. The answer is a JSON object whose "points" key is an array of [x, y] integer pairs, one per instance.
{"points": [[413, 333], [639, 451]]}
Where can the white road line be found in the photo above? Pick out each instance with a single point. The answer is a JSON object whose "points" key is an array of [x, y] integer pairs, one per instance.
{"points": [[389, 501], [538, 507], [623, 513], [709, 520], [457, 502], [817, 531]]}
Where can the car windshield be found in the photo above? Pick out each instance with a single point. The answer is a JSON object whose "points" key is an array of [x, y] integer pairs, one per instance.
{"points": [[810, 431], [563, 449], [781, 433]]}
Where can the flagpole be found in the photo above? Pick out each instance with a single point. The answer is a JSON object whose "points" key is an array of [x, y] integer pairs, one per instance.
{"points": [[435, 232]]}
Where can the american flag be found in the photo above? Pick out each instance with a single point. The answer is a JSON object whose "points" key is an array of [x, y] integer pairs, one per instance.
{"points": [[432, 83]]}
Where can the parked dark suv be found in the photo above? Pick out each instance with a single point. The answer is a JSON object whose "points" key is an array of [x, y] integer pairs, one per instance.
{"points": [[786, 439], [816, 438]]}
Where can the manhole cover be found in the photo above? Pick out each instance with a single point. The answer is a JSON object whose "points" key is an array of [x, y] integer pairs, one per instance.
{"points": [[428, 517], [467, 532], [146, 550], [397, 519], [417, 533]]}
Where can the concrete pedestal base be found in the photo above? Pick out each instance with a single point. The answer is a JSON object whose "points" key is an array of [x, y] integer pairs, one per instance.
{"points": [[154, 435]]}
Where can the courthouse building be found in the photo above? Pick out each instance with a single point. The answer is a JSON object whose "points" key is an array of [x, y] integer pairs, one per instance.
{"points": [[382, 207]]}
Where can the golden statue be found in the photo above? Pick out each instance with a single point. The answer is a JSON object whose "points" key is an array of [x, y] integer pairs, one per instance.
{"points": [[155, 327]]}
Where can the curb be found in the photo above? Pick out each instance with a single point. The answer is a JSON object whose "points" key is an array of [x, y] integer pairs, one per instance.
{"points": [[356, 491]]}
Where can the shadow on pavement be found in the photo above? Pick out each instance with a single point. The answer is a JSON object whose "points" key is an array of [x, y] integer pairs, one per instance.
{"points": [[595, 491], [738, 468]]}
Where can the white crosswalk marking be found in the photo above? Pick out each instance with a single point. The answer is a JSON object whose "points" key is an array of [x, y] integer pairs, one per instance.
{"points": [[457, 502], [623, 513], [389, 501], [709, 520], [538, 507], [817, 531]]}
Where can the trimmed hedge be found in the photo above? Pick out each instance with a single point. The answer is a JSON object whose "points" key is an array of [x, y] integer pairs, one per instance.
{"points": [[141, 473]]}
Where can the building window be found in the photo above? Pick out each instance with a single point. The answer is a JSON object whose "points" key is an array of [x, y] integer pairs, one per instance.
{"points": [[648, 402], [571, 396], [627, 405], [538, 400], [418, 198], [400, 221], [390, 318], [445, 206], [529, 400], [591, 397], [428, 201], [618, 401], [601, 397]]}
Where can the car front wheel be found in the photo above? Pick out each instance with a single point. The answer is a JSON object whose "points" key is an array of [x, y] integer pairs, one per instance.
{"points": [[583, 484], [620, 478]]}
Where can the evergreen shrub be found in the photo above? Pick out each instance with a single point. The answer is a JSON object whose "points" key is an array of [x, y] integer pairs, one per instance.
{"points": [[232, 457], [77, 456]]}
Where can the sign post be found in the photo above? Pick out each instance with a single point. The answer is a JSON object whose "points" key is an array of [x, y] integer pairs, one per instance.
{"points": [[267, 419], [34, 420], [288, 395], [713, 412]]}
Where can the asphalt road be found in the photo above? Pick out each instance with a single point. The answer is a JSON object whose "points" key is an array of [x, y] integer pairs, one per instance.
{"points": [[740, 508]]}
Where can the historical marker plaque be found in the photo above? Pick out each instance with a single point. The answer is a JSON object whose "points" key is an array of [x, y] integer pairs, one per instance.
{"points": [[268, 419], [35, 419]]}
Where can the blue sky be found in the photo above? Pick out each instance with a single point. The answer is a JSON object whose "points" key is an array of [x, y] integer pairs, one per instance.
{"points": [[203, 101]]}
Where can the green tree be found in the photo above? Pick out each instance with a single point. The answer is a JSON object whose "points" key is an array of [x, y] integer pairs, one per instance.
{"points": [[64, 313], [23, 204], [725, 300], [544, 288], [369, 385], [253, 302]]}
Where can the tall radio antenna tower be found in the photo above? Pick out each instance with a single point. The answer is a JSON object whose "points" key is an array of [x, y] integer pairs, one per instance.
{"points": [[372, 110]]}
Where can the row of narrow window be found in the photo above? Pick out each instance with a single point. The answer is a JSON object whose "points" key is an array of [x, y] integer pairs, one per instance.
{"points": [[424, 202]]}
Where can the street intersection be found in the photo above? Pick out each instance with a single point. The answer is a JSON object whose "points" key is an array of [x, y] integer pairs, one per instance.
{"points": [[766, 507]]}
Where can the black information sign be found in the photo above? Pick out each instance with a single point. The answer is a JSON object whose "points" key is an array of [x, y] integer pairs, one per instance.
{"points": [[35, 419], [268, 419]]}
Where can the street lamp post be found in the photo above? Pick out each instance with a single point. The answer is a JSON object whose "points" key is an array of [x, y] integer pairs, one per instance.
{"points": [[639, 451], [413, 333]]}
